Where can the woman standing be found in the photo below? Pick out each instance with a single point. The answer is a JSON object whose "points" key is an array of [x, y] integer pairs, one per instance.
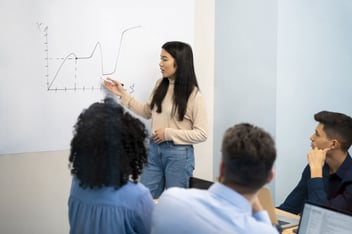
{"points": [[177, 110]]}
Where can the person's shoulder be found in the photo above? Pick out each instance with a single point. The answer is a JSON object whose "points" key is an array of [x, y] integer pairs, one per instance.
{"points": [[346, 173], [306, 169], [180, 199], [196, 91], [158, 81], [348, 160], [135, 192], [174, 192], [136, 187], [196, 94], [183, 195]]}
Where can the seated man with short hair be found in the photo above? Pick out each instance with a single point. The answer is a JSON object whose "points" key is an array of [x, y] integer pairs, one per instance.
{"points": [[230, 205], [327, 179]]}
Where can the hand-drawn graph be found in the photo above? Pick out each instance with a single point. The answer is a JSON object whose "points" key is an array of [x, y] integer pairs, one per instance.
{"points": [[53, 55], [69, 72]]}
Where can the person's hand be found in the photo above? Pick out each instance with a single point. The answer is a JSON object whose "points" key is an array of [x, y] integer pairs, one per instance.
{"points": [[158, 135], [114, 86], [316, 159]]}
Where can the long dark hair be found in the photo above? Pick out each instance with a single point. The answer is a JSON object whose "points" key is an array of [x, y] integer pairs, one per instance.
{"points": [[108, 147], [185, 80]]}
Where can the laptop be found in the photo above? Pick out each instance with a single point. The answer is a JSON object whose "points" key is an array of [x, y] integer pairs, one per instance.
{"points": [[195, 182], [281, 221], [317, 219]]}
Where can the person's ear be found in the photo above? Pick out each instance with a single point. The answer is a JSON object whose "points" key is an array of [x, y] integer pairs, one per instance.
{"points": [[335, 144], [221, 171], [271, 176]]}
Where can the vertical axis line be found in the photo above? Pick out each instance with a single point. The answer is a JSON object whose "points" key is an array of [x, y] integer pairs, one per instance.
{"points": [[46, 43]]}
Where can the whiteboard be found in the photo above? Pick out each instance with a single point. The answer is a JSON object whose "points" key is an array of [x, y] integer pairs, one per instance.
{"points": [[55, 53]]}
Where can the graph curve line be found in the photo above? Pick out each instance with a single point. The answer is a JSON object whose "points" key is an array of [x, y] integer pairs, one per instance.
{"points": [[61, 65]]}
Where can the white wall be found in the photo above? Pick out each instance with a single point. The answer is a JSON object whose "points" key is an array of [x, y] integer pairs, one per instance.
{"points": [[313, 74], [204, 65], [34, 192], [276, 64], [245, 66], [35, 186]]}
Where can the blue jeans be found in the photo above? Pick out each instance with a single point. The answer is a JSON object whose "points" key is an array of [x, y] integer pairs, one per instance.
{"points": [[169, 165]]}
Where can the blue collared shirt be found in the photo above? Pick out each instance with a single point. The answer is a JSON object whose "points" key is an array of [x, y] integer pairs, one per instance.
{"points": [[107, 210], [216, 210]]}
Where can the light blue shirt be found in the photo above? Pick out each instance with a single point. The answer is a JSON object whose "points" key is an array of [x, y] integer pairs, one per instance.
{"points": [[107, 210], [216, 210]]}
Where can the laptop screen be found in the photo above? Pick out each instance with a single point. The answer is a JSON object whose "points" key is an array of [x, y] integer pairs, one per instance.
{"points": [[320, 219]]}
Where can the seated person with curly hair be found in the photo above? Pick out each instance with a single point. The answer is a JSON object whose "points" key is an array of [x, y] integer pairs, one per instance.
{"points": [[107, 156]]}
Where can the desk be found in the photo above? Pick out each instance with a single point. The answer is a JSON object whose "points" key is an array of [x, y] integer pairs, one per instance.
{"points": [[289, 230], [282, 212]]}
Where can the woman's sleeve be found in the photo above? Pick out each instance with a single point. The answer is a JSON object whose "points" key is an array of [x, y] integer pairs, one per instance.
{"points": [[139, 108]]}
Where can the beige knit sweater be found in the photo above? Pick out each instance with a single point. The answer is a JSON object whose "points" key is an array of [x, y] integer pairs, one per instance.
{"points": [[192, 129]]}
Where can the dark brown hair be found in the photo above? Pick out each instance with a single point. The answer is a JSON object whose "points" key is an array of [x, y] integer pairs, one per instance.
{"points": [[248, 154], [338, 126]]}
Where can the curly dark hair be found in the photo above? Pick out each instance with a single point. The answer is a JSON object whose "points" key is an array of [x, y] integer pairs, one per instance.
{"points": [[108, 147], [248, 154]]}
